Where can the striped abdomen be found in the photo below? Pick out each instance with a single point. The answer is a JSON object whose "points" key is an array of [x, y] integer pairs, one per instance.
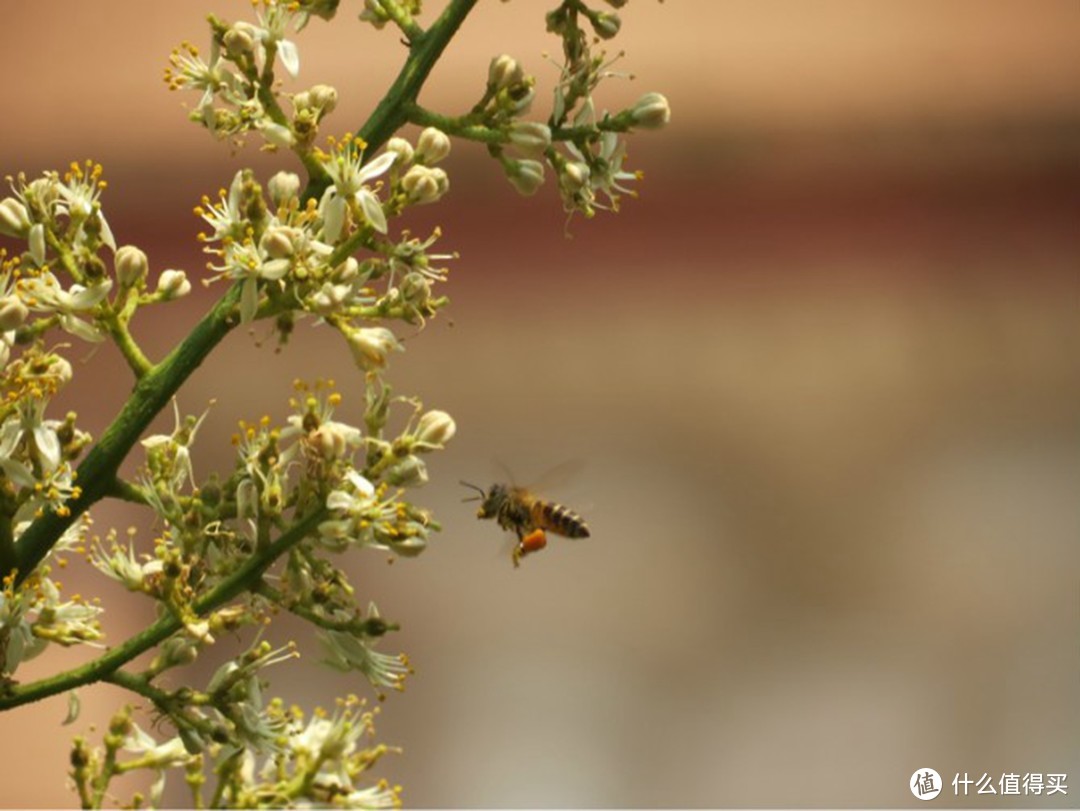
{"points": [[548, 515]]}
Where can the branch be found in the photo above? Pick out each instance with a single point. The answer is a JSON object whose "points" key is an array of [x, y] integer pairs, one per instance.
{"points": [[153, 391], [459, 126], [391, 113], [245, 578]]}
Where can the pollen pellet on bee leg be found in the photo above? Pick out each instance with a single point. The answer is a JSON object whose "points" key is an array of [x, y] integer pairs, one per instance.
{"points": [[533, 542]]}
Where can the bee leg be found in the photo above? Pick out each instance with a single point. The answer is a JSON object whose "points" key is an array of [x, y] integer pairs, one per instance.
{"points": [[533, 542]]}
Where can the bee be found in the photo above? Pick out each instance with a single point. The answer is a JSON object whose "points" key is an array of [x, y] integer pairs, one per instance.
{"points": [[528, 515]]}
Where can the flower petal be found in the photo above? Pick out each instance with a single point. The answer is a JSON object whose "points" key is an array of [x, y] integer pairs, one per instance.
{"points": [[290, 56], [372, 209]]}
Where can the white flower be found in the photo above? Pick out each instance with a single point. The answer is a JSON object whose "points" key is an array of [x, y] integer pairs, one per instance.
{"points": [[348, 652], [123, 566], [178, 443], [225, 216], [349, 175], [275, 21], [80, 191], [155, 755], [607, 173], [44, 293]]}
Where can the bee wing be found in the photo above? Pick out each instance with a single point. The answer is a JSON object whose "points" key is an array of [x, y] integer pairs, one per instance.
{"points": [[558, 475]]}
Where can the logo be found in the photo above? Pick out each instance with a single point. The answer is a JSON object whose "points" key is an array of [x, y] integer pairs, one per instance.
{"points": [[925, 784]]}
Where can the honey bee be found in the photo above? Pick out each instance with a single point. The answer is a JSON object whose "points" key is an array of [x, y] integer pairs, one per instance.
{"points": [[528, 515]]}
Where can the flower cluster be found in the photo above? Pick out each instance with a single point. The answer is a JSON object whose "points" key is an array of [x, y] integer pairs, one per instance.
{"points": [[232, 549], [35, 614], [294, 259], [323, 760], [589, 166]]}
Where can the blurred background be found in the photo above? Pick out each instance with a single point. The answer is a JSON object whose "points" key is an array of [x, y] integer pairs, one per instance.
{"points": [[823, 377]]}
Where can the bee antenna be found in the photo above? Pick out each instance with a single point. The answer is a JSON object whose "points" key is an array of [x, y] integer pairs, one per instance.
{"points": [[479, 490]]}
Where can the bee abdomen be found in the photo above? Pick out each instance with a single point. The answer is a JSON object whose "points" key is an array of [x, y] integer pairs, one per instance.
{"points": [[560, 520]]}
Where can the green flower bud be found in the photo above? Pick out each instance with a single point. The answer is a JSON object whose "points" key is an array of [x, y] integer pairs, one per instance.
{"points": [[606, 24]]}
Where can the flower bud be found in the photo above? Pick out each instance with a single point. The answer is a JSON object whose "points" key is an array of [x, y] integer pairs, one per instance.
{"points": [[435, 429], [12, 313], [329, 299], [347, 270], [410, 547], [575, 176], [36, 243], [276, 134], [531, 137], [416, 289], [651, 112], [409, 472], [606, 24], [14, 219], [518, 97], [504, 71], [173, 284], [425, 185], [371, 345], [616, 3], [432, 146], [131, 265], [283, 186], [403, 149], [324, 97], [526, 175], [278, 243], [240, 39], [302, 101]]}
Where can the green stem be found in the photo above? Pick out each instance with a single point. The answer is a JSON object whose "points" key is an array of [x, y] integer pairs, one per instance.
{"points": [[402, 19], [459, 126], [355, 625], [152, 392], [139, 685], [391, 113], [243, 579], [7, 545], [126, 491], [124, 341]]}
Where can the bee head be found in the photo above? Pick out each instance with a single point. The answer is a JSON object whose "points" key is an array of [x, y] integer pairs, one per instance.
{"points": [[491, 500]]}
